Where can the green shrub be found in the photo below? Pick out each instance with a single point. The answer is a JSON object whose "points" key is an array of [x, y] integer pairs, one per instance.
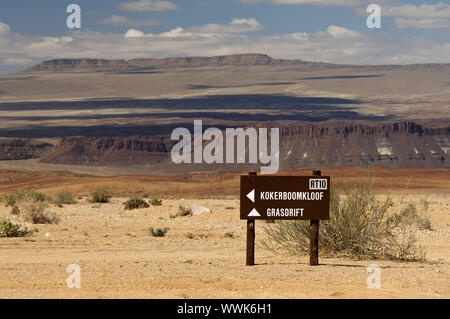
{"points": [[184, 211], [9, 229], [64, 198], [156, 201], [100, 195], [158, 232], [135, 203], [359, 227]]}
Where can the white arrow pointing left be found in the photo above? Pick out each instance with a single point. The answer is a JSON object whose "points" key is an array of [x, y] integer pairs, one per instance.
{"points": [[251, 196]]}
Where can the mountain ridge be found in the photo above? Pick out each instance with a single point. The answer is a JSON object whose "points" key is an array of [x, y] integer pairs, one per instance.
{"points": [[236, 60]]}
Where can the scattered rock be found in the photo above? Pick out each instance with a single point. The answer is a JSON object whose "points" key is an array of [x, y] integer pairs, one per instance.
{"points": [[197, 210]]}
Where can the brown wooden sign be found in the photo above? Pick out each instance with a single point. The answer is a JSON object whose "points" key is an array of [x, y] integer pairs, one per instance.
{"points": [[285, 197]]}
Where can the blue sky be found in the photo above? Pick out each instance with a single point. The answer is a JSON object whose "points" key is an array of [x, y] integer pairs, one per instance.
{"points": [[326, 30]]}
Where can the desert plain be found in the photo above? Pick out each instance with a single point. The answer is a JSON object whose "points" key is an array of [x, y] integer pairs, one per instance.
{"points": [[74, 124], [203, 256]]}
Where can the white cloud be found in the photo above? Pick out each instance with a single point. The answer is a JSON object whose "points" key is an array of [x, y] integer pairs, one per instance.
{"points": [[341, 32], [4, 29], [133, 33], [335, 44], [237, 25], [407, 16], [423, 11], [409, 23], [148, 5], [424, 16], [346, 3], [16, 61], [124, 21]]}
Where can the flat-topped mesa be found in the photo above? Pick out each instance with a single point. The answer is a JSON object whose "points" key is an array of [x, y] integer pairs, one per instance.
{"points": [[101, 65], [79, 65]]}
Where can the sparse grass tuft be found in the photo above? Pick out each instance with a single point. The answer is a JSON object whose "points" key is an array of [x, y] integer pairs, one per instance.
{"points": [[360, 226], [158, 232], [100, 195], [190, 235], [9, 229], [136, 203]]}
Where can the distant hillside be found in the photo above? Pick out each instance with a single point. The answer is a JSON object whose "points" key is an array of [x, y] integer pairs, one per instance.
{"points": [[395, 145], [93, 65], [236, 60]]}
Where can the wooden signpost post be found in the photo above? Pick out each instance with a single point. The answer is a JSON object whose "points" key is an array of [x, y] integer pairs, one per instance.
{"points": [[268, 197]]}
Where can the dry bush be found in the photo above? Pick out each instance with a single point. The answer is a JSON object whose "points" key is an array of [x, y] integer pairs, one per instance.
{"points": [[156, 201], [35, 212], [360, 226], [410, 216], [9, 229], [135, 203], [100, 195], [12, 198], [64, 198], [15, 210]]}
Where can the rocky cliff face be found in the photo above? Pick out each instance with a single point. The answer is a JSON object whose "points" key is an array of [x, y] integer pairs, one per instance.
{"points": [[399, 145], [396, 145], [21, 149], [110, 151]]}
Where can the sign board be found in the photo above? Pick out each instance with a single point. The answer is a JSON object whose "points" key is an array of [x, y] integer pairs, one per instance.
{"points": [[285, 197]]}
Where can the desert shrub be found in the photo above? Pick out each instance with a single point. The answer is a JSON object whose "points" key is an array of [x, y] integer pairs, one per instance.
{"points": [[9, 229], [156, 201], [35, 212], [190, 235], [100, 195], [184, 211], [135, 203], [64, 198], [158, 232], [15, 210], [410, 216], [360, 226], [11, 199], [229, 235]]}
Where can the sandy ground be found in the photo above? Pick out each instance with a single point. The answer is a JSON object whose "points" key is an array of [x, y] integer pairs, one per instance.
{"points": [[118, 258]]}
